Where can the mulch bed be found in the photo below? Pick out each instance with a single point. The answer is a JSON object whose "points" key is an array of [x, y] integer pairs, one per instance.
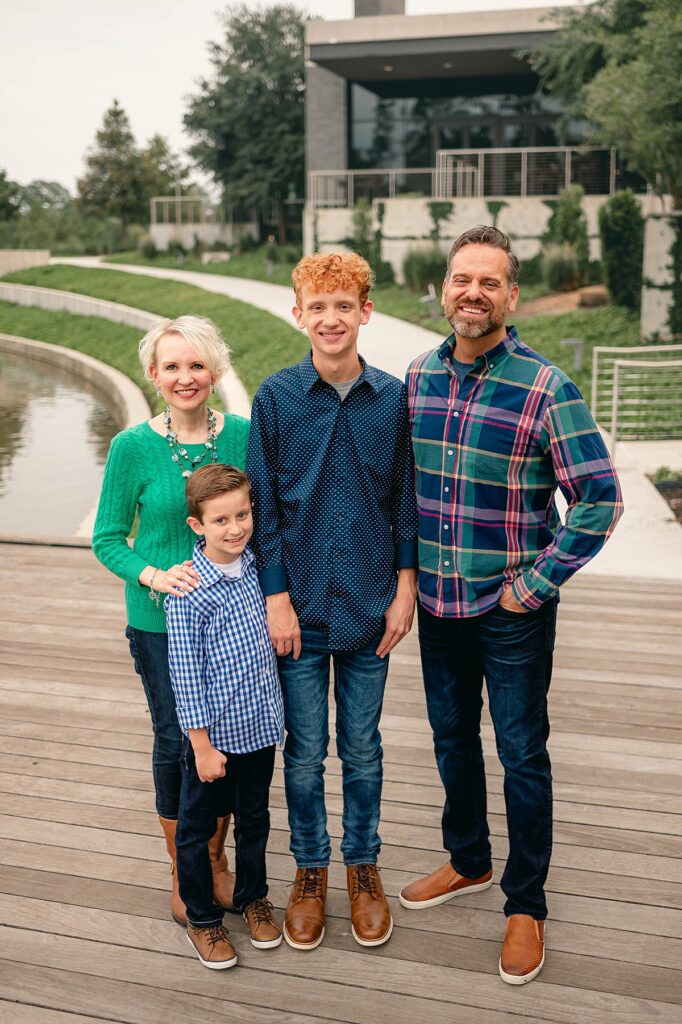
{"points": [[672, 492]]}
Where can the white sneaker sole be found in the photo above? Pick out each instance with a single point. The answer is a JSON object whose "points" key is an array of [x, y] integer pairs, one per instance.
{"points": [[374, 942], [267, 943], [302, 945], [436, 900], [523, 979], [222, 966]]}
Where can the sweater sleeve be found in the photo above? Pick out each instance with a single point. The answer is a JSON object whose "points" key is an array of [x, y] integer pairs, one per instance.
{"points": [[116, 512]]}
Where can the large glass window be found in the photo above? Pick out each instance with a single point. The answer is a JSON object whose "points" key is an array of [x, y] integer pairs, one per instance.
{"points": [[403, 124]]}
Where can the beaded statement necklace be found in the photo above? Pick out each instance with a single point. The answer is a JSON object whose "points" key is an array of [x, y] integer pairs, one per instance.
{"points": [[179, 454]]}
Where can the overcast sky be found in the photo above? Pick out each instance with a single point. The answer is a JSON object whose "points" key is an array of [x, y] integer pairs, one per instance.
{"points": [[62, 63]]}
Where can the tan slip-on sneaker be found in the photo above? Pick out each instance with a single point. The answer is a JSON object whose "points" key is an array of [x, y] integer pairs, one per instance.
{"points": [[523, 950], [440, 886], [212, 946], [264, 930], [372, 923], [304, 919]]}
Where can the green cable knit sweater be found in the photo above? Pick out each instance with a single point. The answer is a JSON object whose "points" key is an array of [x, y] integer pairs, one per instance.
{"points": [[141, 478]]}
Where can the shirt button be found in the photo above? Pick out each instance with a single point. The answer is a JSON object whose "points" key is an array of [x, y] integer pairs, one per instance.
{"points": [[446, 563], [449, 451], [447, 489], [456, 414], [446, 527]]}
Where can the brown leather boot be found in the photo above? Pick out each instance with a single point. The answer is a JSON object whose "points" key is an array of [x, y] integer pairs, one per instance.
{"points": [[223, 878], [304, 920], [372, 923], [178, 909]]}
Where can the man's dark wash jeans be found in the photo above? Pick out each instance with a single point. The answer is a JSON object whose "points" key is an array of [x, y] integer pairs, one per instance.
{"points": [[513, 652], [245, 790]]}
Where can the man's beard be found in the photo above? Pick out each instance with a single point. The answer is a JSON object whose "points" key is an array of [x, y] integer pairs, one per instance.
{"points": [[466, 327]]}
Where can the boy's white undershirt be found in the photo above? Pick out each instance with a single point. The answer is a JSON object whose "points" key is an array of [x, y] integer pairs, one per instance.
{"points": [[233, 569]]}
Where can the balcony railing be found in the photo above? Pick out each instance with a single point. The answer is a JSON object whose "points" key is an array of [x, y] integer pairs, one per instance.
{"points": [[466, 173]]}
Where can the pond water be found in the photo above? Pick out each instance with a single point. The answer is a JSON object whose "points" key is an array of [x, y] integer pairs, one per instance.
{"points": [[54, 438]]}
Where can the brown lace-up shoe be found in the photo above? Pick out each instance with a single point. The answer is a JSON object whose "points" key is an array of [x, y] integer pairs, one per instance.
{"points": [[304, 920], [440, 886], [263, 928], [371, 919], [212, 946], [523, 950], [223, 878]]}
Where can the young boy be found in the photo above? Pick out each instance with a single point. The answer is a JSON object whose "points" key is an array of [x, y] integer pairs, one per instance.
{"points": [[229, 707], [336, 542]]}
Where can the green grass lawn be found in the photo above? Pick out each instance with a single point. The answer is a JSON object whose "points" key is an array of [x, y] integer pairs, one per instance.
{"points": [[248, 264], [260, 343]]}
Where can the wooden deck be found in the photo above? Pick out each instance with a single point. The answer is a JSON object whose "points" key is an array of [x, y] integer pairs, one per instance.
{"points": [[83, 872]]}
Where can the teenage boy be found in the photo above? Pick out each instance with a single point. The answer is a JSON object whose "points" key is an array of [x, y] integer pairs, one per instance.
{"points": [[335, 539], [229, 707]]}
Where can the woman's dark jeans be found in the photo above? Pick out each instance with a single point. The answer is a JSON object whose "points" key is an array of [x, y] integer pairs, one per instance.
{"points": [[150, 655], [513, 651], [245, 789]]}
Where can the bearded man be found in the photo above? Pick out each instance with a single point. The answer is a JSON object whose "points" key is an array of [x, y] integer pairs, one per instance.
{"points": [[496, 430]]}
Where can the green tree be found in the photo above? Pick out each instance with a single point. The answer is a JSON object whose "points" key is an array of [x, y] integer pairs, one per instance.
{"points": [[247, 118], [10, 197], [113, 183], [619, 64], [162, 169], [49, 195]]}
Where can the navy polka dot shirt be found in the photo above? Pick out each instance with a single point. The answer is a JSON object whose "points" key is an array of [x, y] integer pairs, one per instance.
{"points": [[334, 501]]}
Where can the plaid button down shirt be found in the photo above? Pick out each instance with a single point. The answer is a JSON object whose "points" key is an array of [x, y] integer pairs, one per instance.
{"points": [[490, 453], [222, 664]]}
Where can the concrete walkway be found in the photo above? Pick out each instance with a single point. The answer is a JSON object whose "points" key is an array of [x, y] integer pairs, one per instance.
{"points": [[647, 541]]}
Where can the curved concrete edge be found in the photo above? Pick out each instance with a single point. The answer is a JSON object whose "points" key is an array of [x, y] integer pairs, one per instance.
{"points": [[231, 390], [129, 403]]}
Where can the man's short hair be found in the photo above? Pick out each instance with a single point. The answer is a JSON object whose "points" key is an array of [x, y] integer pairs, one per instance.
{"points": [[332, 271], [486, 234], [210, 482]]}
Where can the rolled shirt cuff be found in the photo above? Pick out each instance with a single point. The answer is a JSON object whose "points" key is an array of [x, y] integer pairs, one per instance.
{"points": [[273, 579], [406, 554]]}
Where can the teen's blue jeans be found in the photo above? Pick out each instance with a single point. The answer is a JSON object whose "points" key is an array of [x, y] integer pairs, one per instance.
{"points": [[150, 656], [513, 652], [359, 682]]}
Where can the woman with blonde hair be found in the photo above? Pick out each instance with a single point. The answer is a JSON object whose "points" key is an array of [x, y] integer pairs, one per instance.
{"points": [[144, 478]]}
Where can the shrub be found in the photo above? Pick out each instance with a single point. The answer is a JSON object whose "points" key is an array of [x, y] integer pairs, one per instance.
{"points": [[560, 266], [530, 271], [439, 212], [175, 247], [423, 267], [247, 243], [148, 249], [621, 228], [568, 224], [383, 273]]}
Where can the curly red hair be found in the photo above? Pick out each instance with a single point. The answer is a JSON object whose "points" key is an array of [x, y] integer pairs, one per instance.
{"points": [[332, 271]]}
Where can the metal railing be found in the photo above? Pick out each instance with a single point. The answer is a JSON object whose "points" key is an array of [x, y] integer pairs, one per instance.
{"points": [[185, 210], [344, 188], [604, 358], [528, 171], [647, 401], [466, 173]]}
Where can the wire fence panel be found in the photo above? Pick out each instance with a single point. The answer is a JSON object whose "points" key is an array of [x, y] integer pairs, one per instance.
{"points": [[604, 358], [647, 400]]}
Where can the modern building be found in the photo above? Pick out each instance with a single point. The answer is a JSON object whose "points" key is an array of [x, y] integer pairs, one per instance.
{"points": [[404, 109], [389, 90]]}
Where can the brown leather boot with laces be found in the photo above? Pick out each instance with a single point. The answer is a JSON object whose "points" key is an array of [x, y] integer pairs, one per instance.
{"points": [[304, 920], [212, 946], [264, 930], [372, 923], [223, 878]]}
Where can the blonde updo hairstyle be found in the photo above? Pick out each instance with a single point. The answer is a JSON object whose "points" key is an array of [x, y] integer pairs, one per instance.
{"points": [[200, 333]]}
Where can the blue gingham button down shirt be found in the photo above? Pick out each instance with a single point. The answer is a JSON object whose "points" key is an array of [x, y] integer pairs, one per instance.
{"points": [[222, 664]]}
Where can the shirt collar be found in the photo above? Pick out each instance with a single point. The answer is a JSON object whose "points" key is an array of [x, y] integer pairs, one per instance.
{"points": [[310, 376], [210, 573], [487, 359]]}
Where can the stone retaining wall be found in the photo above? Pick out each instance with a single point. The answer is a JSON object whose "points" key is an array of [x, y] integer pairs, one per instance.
{"points": [[20, 259]]}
